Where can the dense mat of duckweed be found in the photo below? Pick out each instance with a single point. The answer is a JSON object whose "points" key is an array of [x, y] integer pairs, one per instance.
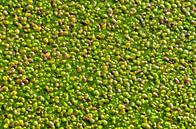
{"points": [[98, 64]]}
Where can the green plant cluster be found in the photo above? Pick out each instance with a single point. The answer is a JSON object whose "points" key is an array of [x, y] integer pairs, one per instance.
{"points": [[98, 64]]}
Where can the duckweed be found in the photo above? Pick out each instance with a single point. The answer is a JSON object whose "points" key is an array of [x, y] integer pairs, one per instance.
{"points": [[100, 64]]}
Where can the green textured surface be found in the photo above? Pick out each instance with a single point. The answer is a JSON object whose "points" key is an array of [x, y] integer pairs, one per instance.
{"points": [[124, 64]]}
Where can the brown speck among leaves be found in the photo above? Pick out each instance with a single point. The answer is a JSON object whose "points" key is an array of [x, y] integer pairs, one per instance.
{"points": [[87, 117]]}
